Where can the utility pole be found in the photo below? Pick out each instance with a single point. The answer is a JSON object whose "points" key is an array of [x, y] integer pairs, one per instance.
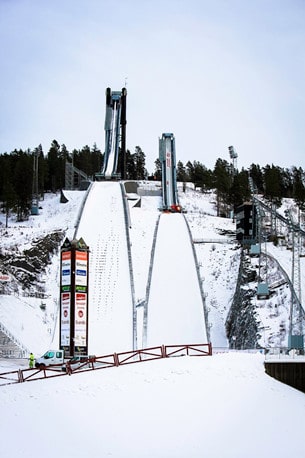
{"points": [[35, 197]]}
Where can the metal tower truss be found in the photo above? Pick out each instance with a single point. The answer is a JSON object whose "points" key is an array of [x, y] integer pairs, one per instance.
{"points": [[273, 219], [73, 176], [256, 221], [296, 330], [294, 229], [297, 313]]}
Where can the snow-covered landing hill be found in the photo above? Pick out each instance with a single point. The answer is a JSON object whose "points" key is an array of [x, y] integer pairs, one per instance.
{"points": [[33, 320]]}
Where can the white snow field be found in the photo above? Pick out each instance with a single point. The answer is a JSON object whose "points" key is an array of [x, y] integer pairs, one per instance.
{"points": [[222, 406]]}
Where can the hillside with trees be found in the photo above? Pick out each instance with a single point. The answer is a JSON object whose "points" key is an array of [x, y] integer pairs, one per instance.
{"points": [[231, 185]]}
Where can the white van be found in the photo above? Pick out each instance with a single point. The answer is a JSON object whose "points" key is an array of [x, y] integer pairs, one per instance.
{"points": [[50, 357]]}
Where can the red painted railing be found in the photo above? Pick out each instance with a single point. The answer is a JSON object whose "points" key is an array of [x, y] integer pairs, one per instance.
{"points": [[103, 362]]}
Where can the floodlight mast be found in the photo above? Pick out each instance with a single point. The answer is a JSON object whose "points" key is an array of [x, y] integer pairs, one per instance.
{"points": [[233, 156]]}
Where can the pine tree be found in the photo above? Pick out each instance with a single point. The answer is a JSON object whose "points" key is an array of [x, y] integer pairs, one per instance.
{"points": [[139, 160], [257, 176], [299, 188], [7, 192], [96, 159], [239, 191], [181, 172], [130, 166], [158, 172], [54, 181], [42, 169], [23, 182], [222, 182], [273, 185]]}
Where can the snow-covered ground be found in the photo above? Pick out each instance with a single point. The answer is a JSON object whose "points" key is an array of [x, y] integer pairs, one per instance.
{"points": [[35, 326], [221, 406]]}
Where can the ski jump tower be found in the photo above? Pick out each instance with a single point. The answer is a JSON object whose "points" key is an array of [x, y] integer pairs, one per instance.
{"points": [[115, 132], [167, 157]]}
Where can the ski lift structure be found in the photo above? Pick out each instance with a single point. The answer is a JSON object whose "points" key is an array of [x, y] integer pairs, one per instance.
{"points": [[297, 314], [262, 291]]}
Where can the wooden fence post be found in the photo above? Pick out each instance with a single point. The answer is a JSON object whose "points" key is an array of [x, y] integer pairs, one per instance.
{"points": [[116, 359], [163, 351], [20, 376]]}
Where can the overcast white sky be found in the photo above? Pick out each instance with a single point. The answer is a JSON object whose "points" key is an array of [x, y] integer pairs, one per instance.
{"points": [[215, 73]]}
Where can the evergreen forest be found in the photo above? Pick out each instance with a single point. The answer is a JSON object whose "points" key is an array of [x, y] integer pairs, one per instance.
{"points": [[230, 185]]}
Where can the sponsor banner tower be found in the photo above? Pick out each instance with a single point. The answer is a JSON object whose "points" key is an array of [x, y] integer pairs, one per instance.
{"points": [[74, 281]]}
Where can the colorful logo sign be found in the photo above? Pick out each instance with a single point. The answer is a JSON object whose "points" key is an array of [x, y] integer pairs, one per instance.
{"points": [[66, 268], [65, 319]]}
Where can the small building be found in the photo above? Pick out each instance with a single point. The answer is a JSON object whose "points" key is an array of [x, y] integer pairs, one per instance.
{"points": [[296, 342], [246, 224], [255, 250], [262, 291]]}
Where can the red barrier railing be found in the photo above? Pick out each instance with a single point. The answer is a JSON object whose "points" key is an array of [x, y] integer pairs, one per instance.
{"points": [[137, 356], [189, 350], [106, 361], [11, 377]]}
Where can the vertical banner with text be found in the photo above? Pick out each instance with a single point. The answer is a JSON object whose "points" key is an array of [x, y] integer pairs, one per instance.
{"points": [[65, 298], [81, 301], [74, 298]]}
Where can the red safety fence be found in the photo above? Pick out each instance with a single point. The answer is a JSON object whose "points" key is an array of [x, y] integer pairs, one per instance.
{"points": [[106, 361]]}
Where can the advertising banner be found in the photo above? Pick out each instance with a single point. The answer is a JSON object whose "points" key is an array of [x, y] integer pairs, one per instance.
{"points": [[74, 284], [81, 268], [66, 268], [65, 319], [80, 326]]}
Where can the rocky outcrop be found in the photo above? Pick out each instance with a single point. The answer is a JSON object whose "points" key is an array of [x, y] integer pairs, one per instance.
{"points": [[241, 324], [26, 267]]}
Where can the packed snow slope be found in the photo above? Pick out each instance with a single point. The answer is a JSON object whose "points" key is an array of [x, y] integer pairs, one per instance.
{"points": [[102, 226], [177, 319], [175, 307], [222, 406]]}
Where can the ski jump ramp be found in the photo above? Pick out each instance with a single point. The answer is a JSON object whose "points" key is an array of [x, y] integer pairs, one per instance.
{"points": [[102, 226], [175, 310]]}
